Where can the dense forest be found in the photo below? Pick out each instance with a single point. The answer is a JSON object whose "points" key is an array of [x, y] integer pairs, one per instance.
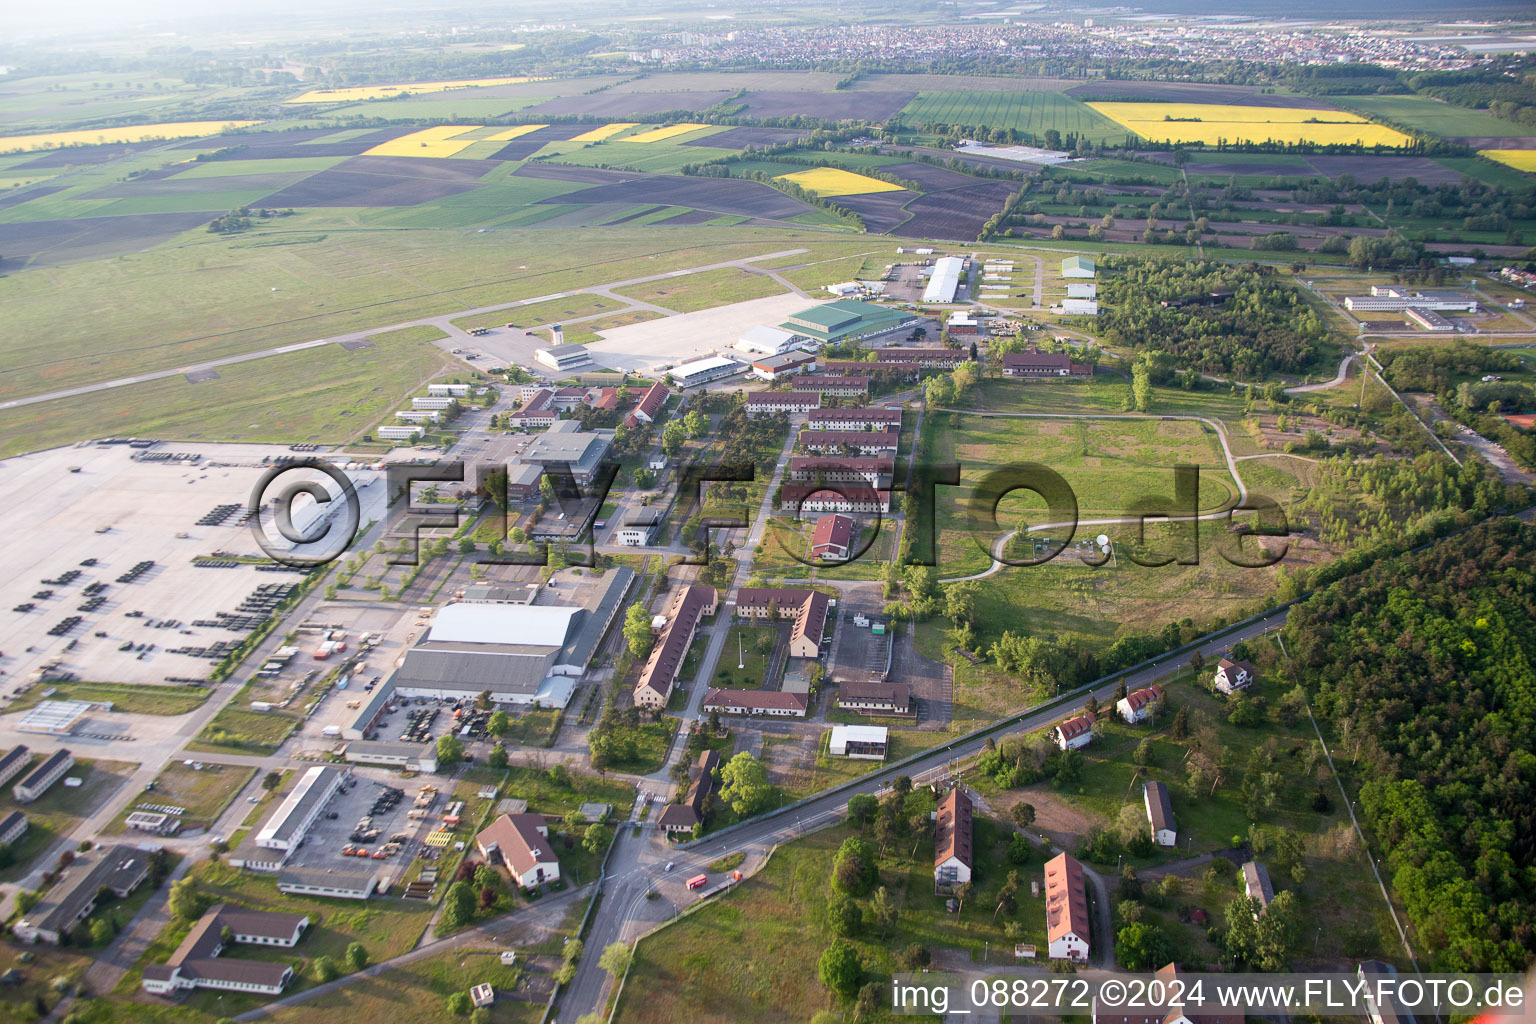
{"points": [[1264, 327], [1426, 665]]}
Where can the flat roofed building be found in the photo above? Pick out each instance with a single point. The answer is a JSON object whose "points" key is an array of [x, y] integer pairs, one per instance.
{"points": [[197, 963], [865, 442], [15, 759], [58, 717], [944, 281], [12, 827], [521, 842], [1160, 814], [861, 742], [409, 757], [875, 698], [952, 842], [339, 883], [702, 371], [1399, 299], [764, 340], [1428, 319], [866, 418], [418, 417], [391, 432], [640, 528], [298, 811], [120, 869], [527, 654], [1080, 307], [767, 403], [453, 390], [1066, 909], [523, 479], [688, 606], [433, 402], [40, 779], [1082, 291], [847, 319], [562, 357], [565, 444], [760, 703]]}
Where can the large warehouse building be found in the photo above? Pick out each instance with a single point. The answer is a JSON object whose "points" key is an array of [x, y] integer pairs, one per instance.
{"points": [[286, 829], [847, 319], [702, 371], [944, 282], [521, 653]]}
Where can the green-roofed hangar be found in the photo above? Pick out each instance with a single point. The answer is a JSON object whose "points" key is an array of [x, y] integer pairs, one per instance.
{"points": [[848, 320]]}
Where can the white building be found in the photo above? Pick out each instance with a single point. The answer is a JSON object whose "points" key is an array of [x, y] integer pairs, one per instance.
{"points": [[292, 820], [1082, 291], [771, 341], [562, 357], [398, 433], [1066, 909], [1160, 814], [863, 742], [452, 390], [702, 371], [1080, 307], [945, 279], [432, 402], [1137, 706], [41, 779], [418, 416], [638, 530], [1075, 733]]}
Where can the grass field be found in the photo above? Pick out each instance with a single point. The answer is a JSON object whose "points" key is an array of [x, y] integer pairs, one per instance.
{"points": [[548, 795], [1211, 123], [202, 794], [1034, 112], [327, 393], [553, 311], [832, 181], [418, 991], [1434, 116], [376, 92], [281, 165], [704, 290], [132, 698], [658, 157], [205, 296], [1519, 159], [98, 136]]}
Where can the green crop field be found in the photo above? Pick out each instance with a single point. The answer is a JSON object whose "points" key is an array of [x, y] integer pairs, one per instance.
{"points": [[664, 157], [468, 105], [1034, 112], [1433, 116], [281, 165]]}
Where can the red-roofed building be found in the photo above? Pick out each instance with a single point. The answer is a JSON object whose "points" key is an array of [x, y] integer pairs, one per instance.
{"points": [[689, 605], [650, 404], [1043, 364], [1066, 909], [770, 703], [808, 609], [834, 498], [833, 537], [1074, 732], [952, 862], [837, 387], [1137, 706], [521, 842], [538, 414]]}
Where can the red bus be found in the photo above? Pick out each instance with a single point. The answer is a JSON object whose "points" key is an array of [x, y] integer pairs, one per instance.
{"points": [[697, 882]]}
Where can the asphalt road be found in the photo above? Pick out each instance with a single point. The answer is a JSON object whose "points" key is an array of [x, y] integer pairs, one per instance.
{"points": [[637, 865]]}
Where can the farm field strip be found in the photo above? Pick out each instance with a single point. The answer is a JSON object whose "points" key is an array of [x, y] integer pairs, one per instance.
{"points": [[376, 92], [607, 131], [1519, 159], [1034, 112], [833, 181], [509, 134], [440, 141], [663, 134], [100, 136], [1211, 123]]}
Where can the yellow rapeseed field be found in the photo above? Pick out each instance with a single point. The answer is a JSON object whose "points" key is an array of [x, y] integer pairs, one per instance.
{"points": [[1210, 123], [661, 134], [514, 133], [1519, 159], [439, 141], [831, 181], [607, 131], [378, 92], [96, 136]]}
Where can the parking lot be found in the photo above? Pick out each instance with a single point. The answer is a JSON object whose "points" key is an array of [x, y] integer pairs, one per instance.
{"points": [[392, 827]]}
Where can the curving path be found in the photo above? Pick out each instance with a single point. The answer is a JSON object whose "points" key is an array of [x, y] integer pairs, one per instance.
{"points": [[1215, 425], [1338, 378]]}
